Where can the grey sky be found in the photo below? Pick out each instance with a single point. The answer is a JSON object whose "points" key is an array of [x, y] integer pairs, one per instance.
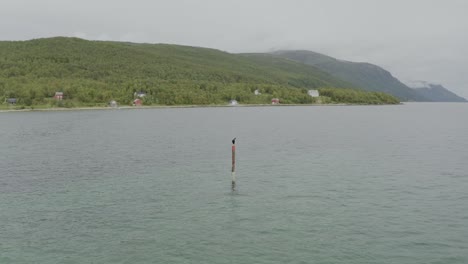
{"points": [[414, 39]]}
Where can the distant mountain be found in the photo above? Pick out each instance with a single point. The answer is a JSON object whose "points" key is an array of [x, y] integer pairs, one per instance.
{"points": [[365, 75], [436, 92]]}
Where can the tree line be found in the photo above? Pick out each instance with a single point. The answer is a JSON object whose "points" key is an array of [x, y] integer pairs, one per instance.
{"points": [[91, 73]]}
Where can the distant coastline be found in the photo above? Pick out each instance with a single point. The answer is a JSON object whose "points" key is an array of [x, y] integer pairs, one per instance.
{"points": [[51, 109]]}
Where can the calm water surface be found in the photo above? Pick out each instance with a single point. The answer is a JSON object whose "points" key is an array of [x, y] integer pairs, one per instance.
{"points": [[340, 184]]}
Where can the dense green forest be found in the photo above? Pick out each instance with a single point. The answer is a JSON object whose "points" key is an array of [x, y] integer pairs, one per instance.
{"points": [[353, 96], [92, 73]]}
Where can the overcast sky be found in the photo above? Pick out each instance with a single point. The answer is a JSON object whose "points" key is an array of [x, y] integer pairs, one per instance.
{"points": [[414, 39]]}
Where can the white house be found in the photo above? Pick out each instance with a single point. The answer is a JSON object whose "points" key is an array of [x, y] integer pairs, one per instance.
{"points": [[113, 104], [233, 102], [313, 93], [139, 94]]}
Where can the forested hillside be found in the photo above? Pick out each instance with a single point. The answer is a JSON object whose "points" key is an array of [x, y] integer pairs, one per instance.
{"points": [[364, 75], [95, 72]]}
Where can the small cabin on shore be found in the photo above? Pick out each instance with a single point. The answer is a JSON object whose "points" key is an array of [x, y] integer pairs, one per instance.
{"points": [[275, 101], [139, 94], [113, 104], [12, 101], [137, 102], [233, 102], [313, 93], [58, 96]]}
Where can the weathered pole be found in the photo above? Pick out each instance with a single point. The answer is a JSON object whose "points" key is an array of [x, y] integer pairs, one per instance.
{"points": [[233, 171]]}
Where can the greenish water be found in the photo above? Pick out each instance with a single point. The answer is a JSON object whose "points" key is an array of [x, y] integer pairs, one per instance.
{"points": [[359, 184]]}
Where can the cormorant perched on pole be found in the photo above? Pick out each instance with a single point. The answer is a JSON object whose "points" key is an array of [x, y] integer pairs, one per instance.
{"points": [[233, 171]]}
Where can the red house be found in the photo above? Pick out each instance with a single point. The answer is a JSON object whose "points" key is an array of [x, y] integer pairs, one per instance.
{"points": [[275, 101], [58, 96], [137, 102]]}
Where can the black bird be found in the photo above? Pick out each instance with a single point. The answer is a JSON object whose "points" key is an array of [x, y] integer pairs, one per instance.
{"points": [[234, 141]]}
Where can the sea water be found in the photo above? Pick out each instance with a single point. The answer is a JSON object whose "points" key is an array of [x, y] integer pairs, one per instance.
{"points": [[315, 184]]}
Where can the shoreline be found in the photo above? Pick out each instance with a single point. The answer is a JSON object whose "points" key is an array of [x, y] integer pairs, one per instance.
{"points": [[174, 106]]}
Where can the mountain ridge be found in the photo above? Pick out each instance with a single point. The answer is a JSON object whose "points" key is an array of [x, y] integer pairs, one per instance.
{"points": [[436, 92], [363, 74]]}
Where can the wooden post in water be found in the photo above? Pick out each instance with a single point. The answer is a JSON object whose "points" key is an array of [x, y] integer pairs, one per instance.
{"points": [[233, 171]]}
